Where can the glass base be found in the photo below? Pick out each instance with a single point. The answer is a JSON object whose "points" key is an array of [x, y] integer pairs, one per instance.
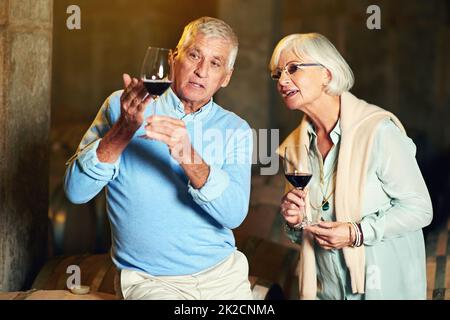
{"points": [[304, 224]]}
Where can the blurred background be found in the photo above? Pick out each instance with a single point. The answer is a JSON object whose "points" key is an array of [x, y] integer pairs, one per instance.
{"points": [[403, 67]]}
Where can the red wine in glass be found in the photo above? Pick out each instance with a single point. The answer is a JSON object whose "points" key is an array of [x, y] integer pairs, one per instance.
{"points": [[155, 72], [156, 87], [298, 180]]}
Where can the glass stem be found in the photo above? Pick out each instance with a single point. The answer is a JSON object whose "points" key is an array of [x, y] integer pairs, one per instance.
{"points": [[305, 221]]}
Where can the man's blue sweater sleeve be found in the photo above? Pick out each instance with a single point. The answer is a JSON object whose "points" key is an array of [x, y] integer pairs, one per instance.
{"points": [[85, 175], [226, 193]]}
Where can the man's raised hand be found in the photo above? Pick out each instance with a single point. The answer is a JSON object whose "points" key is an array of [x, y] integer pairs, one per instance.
{"points": [[133, 101]]}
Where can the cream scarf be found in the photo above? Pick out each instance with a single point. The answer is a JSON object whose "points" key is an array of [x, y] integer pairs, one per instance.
{"points": [[359, 121]]}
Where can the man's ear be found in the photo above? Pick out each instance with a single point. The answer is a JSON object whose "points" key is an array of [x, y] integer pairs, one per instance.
{"points": [[172, 55], [227, 78]]}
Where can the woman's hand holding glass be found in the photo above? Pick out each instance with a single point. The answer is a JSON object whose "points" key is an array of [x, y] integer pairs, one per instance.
{"points": [[298, 174], [293, 207]]}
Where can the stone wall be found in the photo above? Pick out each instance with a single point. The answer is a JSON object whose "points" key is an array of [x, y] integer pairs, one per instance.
{"points": [[25, 73]]}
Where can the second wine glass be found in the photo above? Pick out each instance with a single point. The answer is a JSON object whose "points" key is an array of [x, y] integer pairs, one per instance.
{"points": [[298, 174]]}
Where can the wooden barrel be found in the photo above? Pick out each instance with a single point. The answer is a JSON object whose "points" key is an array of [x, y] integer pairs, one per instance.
{"points": [[438, 263], [69, 221], [273, 262], [55, 295], [438, 278], [265, 290], [97, 271], [261, 222]]}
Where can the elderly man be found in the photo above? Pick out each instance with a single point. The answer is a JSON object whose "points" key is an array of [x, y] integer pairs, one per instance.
{"points": [[173, 197]]}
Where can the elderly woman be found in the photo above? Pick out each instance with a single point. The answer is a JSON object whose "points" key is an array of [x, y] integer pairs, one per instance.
{"points": [[367, 195]]}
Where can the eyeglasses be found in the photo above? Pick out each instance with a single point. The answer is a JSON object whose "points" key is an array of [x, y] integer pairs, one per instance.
{"points": [[291, 68]]}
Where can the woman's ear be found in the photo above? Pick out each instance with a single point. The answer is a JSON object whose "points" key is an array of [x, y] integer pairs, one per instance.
{"points": [[327, 77]]}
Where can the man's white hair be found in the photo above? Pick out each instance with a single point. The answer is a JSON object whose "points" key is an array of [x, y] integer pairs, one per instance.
{"points": [[210, 27]]}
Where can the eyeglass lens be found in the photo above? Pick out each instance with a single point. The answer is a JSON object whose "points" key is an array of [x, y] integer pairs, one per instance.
{"points": [[291, 68]]}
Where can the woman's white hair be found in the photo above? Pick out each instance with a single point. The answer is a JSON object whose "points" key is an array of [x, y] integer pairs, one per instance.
{"points": [[318, 48], [210, 27]]}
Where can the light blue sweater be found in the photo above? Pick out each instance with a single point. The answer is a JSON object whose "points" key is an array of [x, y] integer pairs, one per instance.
{"points": [[160, 224]]}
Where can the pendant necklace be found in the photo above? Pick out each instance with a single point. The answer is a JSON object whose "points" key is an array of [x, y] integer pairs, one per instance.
{"points": [[325, 205]]}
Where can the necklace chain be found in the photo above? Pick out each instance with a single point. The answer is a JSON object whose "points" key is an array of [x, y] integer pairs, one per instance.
{"points": [[324, 204]]}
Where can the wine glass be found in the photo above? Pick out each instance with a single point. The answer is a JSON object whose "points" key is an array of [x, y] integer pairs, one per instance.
{"points": [[298, 174], [155, 72]]}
